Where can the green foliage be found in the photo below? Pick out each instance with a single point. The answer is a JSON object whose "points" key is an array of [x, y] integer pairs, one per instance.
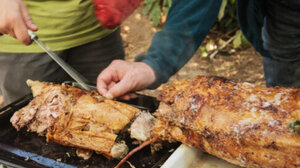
{"points": [[204, 53], [156, 8], [222, 10], [240, 40], [295, 126], [226, 23], [227, 19]]}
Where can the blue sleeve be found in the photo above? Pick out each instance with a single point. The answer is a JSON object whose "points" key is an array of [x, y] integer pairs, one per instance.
{"points": [[187, 24]]}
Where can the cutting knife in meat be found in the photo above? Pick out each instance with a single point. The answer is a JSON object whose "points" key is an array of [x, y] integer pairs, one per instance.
{"points": [[81, 81], [75, 84], [71, 71]]}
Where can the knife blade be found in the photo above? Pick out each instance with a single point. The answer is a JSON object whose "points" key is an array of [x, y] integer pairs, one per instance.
{"points": [[82, 81]]}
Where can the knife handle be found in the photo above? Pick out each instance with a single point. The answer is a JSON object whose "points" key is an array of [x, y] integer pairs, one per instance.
{"points": [[32, 35]]}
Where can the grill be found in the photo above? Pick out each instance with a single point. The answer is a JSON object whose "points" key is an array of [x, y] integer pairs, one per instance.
{"points": [[25, 149]]}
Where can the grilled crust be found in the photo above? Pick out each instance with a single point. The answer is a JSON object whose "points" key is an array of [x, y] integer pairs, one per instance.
{"points": [[78, 118], [90, 122], [244, 124]]}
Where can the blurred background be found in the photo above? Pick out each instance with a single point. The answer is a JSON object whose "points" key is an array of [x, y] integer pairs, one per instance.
{"points": [[225, 51]]}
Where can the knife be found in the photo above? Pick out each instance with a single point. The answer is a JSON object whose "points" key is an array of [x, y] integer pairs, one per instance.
{"points": [[82, 81], [75, 84]]}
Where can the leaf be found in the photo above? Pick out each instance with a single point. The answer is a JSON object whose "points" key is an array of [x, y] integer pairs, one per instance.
{"points": [[202, 48], [237, 41], [154, 8], [148, 6], [170, 2], [150, 1], [222, 10], [147, 9], [245, 42], [204, 54], [166, 10], [155, 13], [167, 3]]}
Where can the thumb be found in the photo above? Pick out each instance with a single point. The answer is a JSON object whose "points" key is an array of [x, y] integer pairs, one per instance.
{"points": [[121, 88], [27, 18]]}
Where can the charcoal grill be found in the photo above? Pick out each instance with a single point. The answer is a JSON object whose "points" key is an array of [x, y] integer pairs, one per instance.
{"points": [[25, 149]]}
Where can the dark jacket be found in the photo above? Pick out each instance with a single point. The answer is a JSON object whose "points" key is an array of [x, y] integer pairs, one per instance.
{"points": [[187, 24]]}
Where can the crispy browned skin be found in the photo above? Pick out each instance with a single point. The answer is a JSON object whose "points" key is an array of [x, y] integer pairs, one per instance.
{"points": [[85, 120], [244, 124]]}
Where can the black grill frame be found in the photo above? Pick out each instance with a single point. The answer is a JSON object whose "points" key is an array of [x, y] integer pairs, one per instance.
{"points": [[25, 149]]}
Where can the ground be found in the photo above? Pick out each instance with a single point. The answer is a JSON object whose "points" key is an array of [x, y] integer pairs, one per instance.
{"points": [[242, 65]]}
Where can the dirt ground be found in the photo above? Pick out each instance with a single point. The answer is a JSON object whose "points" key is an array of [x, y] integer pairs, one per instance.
{"points": [[243, 65]]}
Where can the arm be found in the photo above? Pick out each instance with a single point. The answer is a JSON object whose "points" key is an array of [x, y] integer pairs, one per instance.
{"points": [[15, 20], [187, 24]]}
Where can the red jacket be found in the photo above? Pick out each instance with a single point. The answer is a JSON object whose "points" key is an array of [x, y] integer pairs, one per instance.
{"points": [[111, 13]]}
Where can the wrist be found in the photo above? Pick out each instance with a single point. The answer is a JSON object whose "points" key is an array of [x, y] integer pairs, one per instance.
{"points": [[150, 73]]}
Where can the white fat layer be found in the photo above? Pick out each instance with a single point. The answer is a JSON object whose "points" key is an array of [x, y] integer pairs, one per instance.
{"points": [[141, 128], [119, 150]]}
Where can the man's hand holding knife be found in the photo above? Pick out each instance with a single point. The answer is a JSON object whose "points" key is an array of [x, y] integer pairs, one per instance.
{"points": [[117, 80], [15, 20]]}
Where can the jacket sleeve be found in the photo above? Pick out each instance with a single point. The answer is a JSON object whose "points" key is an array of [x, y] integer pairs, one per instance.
{"points": [[187, 24]]}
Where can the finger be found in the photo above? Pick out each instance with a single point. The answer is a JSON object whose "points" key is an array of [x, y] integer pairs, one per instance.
{"points": [[107, 75], [102, 87], [103, 81], [122, 87], [10, 31], [128, 96], [112, 84], [20, 29], [12, 34], [27, 18], [132, 95], [125, 97]]}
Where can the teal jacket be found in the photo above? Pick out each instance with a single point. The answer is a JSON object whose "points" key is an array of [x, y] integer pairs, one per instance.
{"points": [[187, 24]]}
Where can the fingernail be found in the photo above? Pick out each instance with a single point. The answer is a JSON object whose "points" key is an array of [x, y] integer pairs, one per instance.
{"points": [[102, 91], [108, 95], [33, 26]]}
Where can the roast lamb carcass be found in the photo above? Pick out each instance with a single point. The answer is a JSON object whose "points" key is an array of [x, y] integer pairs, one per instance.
{"points": [[74, 117], [241, 123]]}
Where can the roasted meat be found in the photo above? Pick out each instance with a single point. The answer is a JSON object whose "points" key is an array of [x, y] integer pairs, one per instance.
{"points": [[73, 117], [142, 126], [241, 123]]}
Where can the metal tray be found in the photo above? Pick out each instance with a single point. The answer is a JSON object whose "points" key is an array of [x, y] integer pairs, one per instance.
{"points": [[25, 149], [189, 157]]}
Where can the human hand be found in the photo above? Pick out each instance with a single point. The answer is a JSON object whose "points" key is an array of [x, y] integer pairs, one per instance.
{"points": [[121, 78], [15, 20]]}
